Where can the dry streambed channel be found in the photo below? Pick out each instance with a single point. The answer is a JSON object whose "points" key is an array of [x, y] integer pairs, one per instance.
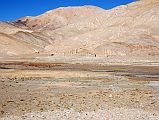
{"points": [[42, 87]]}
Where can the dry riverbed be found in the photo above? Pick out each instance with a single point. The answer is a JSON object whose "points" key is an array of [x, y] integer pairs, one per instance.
{"points": [[58, 91]]}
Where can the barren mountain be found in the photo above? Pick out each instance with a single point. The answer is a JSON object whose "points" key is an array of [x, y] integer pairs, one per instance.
{"points": [[11, 46], [128, 30], [58, 18]]}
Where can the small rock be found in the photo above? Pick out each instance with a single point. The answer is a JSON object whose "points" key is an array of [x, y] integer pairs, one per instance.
{"points": [[110, 96]]}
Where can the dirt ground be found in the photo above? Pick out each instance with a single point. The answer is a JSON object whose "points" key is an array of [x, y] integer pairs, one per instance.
{"points": [[27, 87]]}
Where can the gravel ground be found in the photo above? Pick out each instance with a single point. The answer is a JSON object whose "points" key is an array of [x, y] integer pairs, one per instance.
{"points": [[45, 91], [107, 114]]}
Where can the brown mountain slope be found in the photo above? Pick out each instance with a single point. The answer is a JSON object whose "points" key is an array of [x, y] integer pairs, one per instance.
{"points": [[34, 38], [126, 30], [9, 28], [10, 46], [23, 34], [58, 18]]}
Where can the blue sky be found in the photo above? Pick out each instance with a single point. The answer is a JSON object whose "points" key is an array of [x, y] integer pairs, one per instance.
{"points": [[13, 9]]}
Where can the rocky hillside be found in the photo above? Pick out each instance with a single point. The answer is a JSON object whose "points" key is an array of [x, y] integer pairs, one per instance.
{"points": [[58, 18], [128, 30]]}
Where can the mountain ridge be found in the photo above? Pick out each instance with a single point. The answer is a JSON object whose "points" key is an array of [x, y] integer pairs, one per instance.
{"points": [[127, 30]]}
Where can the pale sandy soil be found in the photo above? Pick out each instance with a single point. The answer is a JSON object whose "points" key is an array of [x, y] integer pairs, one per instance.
{"points": [[58, 91], [110, 60]]}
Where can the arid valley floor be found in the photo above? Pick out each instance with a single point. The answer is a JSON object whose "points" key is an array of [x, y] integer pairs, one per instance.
{"points": [[60, 91]]}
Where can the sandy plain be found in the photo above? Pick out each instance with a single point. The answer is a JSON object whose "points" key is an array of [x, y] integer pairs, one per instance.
{"points": [[61, 91]]}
